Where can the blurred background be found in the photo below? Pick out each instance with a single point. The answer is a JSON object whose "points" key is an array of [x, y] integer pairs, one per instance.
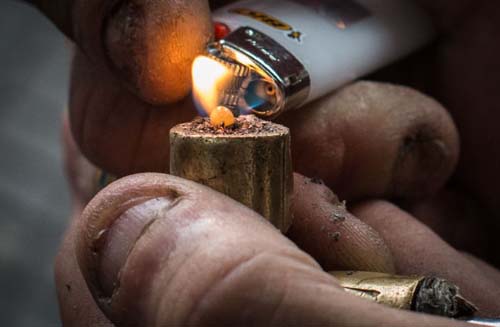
{"points": [[34, 201]]}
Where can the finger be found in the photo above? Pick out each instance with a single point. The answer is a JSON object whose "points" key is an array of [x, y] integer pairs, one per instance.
{"points": [[158, 250], [77, 306], [124, 135], [324, 228], [375, 139], [418, 250], [148, 44], [487, 269], [470, 230], [114, 129], [358, 247]]}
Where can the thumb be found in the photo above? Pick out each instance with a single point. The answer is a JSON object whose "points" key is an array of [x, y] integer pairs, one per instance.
{"points": [[149, 44], [157, 250]]}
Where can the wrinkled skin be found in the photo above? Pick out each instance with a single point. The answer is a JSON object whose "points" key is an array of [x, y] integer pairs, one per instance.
{"points": [[178, 253]]}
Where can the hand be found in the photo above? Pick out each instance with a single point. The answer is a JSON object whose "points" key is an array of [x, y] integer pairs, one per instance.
{"points": [[188, 255], [268, 278]]}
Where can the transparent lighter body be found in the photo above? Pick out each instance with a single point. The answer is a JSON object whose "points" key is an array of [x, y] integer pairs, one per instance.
{"points": [[305, 49]]}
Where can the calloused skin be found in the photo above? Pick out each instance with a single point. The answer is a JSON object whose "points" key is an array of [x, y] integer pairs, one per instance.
{"points": [[177, 253]]}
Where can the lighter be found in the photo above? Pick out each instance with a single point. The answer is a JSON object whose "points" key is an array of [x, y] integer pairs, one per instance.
{"points": [[281, 54]]}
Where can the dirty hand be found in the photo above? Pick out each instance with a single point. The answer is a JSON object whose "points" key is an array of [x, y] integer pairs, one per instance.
{"points": [[153, 249]]}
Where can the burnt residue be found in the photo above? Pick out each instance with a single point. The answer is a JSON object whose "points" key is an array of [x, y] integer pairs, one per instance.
{"points": [[339, 212], [317, 180], [243, 125], [440, 297], [334, 236], [337, 216]]}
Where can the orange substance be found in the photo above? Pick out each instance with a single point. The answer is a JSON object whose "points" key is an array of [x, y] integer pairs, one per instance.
{"points": [[222, 116]]}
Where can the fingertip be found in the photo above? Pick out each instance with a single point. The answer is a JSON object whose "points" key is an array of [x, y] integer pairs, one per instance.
{"points": [[151, 45], [376, 139], [148, 45], [404, 137]]}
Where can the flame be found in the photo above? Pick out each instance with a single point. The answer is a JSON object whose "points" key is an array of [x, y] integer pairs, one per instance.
{"points": [[209, 79]]}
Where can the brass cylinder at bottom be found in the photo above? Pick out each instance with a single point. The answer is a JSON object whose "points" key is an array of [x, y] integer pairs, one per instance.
{"points": [[253, 168], [426, 294], [394, 291]]}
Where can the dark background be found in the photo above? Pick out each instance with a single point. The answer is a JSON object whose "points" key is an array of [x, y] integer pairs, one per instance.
{"points": [[34, 201]]}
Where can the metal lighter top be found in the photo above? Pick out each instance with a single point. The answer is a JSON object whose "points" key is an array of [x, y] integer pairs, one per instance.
{"points": [[274, 77]]}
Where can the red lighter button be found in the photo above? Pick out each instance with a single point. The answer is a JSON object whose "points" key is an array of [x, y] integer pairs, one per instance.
{"points": [[221, 30]]}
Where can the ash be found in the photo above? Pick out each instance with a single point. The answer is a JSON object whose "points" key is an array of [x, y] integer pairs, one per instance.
{"points": [[440, 297], [244, 125]]}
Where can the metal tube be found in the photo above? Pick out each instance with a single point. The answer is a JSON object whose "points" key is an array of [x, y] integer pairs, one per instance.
{"points": [[250, 162], [417, 293]]}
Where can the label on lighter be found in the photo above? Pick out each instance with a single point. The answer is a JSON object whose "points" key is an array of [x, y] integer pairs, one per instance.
{"points": [[342, 13]]}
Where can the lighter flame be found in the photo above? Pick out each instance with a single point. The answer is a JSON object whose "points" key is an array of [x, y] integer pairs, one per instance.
{"points": [[209, 79]]}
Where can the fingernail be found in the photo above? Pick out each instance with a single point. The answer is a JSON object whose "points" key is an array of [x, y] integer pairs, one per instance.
{"points": [[116, 242]]}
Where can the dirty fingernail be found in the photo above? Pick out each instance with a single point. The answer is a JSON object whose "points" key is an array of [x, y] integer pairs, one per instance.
{"points": [[118, 240], [422, 165]]}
